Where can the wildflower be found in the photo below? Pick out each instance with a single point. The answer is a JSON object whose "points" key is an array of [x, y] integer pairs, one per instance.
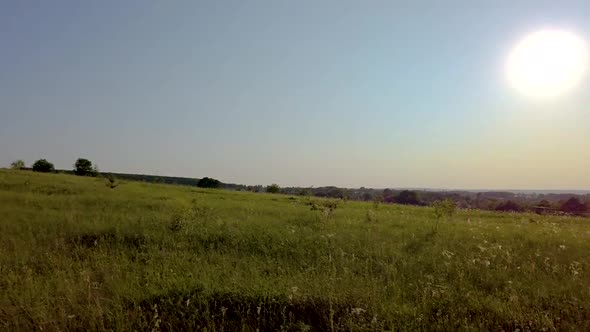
{"points": [[575, 268], [448, 254], [357, 311], [562, 246]]}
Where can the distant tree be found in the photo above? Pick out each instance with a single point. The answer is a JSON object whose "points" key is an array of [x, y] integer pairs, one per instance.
{"points": [[542, 207], [209, 183], [304, 192], [509, 206], [17, 164], [84, 167], [408, 197], [388, 196], [335, 192], [367, 197], [574, 206], [273, 188], [43, 165]]}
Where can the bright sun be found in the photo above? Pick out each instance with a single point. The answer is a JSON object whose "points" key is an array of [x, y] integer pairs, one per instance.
{"points": [[548, 63]]}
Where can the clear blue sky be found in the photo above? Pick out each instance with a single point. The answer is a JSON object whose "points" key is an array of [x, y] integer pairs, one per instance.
{"points": [[347, 93]]}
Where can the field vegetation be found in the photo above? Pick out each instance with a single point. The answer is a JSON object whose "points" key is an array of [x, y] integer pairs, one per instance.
{"points": [[96, 253]]}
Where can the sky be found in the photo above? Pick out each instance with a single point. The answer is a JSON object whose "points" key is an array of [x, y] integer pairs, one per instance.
{"points": [[300, 93]]}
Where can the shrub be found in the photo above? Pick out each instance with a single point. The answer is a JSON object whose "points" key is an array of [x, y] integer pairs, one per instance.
{"points": [[444, 208], [327, 207], [17, 164], [208, 183], [43, 165], [371, 216], [111, 181]]}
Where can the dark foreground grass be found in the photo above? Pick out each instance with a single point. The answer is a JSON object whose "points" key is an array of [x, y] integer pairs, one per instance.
{"points": [[77, 255]]}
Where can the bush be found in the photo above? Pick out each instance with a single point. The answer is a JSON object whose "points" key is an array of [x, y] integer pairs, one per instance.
{"points": [[327, 207], [84, 167], [208, 183], [43, 165], [110, 181], [17, 164], [444, 208], [273, 189]]}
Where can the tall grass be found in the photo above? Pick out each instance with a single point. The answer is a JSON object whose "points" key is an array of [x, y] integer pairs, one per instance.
{"points": [[77, 254]]}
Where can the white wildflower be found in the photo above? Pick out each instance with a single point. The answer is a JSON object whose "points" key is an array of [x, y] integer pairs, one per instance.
{"points": [[357, 311], [448, 254]]}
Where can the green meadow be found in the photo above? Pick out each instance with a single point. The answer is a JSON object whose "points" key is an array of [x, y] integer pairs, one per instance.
{"points": [[76, 254]]}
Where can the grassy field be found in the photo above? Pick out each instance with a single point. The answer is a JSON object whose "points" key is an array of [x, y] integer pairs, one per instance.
{"points": [[76, 254]]}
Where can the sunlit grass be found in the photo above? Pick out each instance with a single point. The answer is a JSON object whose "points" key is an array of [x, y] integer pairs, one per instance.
{"points": [[76, 254]]}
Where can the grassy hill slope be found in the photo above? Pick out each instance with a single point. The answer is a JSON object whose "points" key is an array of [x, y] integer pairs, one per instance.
{"points": [[75, 254]]}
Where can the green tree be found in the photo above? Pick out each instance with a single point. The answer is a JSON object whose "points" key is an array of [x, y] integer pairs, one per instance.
{"points": [[509, 206], [367, 197], [408, 197], [304, 192], [574, 206], [84, 167], [208, 183], [273, 188], [17, 164], [42, 165], [388, 196], [543, 207]]}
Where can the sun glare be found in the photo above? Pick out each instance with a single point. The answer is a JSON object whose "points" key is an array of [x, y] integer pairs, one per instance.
{"points": [[548, 63]]}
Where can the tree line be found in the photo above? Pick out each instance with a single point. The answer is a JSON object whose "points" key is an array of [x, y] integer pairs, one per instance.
{"points": [[496, 201]]}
